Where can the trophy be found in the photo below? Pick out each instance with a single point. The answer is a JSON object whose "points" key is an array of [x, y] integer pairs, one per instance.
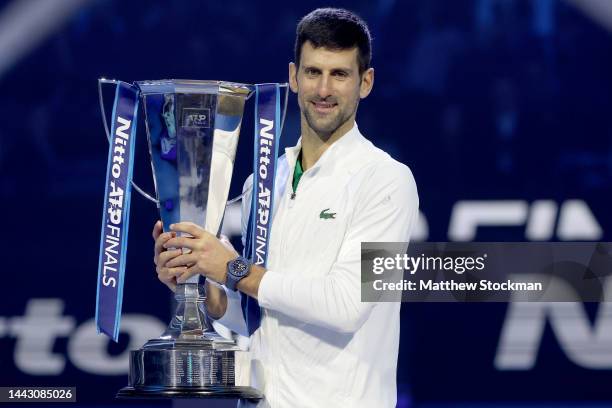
{"points": [[192, 130]]}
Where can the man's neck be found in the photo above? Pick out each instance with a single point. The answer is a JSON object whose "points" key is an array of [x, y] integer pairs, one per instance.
{"points": [[314, 145]]}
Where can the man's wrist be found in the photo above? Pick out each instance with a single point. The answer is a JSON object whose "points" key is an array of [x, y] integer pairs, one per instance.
{"points": [[216, 300], [237, 269], [250, 284]]}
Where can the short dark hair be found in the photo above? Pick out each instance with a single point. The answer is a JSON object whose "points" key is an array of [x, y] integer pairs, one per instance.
{"points": [[336, 29]]}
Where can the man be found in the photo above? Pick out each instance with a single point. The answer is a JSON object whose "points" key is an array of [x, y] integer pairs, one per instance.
{"points": [[318, 345]]}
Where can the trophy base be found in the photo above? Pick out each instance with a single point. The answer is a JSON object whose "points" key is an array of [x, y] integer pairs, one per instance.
{"points": [[185, 369], [224, 392], [190, 360]]}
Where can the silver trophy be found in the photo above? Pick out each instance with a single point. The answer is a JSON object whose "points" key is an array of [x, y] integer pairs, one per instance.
{"points": [[192, 131]]}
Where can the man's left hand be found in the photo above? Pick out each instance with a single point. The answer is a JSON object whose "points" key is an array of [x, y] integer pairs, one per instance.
{"points": [[208, 256]]}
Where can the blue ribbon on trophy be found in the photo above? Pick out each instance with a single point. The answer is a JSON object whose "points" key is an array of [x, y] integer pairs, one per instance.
{"points": [[266, 142], [115, 217]]}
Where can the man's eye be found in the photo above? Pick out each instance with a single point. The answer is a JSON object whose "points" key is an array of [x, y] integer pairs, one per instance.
{"points": [[340, 74], [310, 71]]}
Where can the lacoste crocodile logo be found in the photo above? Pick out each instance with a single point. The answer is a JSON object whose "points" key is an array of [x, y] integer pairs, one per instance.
{"points": [[327, 215]]}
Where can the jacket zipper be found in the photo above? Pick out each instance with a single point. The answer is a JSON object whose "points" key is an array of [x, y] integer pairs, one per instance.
{"points": [[293, 195]]}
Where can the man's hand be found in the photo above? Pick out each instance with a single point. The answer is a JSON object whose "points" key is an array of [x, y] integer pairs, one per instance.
{"points": [[208, 256], [162, 256]]}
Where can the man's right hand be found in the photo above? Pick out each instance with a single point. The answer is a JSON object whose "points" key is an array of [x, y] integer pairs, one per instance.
{"points": [[216, 299], [162, 256]]}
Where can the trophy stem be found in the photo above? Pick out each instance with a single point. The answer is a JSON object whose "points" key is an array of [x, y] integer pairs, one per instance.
{"points": [[190, 324]]}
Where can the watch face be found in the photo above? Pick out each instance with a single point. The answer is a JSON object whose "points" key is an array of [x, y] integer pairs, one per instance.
{"points": [[239, 268]]}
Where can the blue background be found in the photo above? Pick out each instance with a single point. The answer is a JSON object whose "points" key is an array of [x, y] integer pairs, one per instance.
{"points": [[485, 100]]}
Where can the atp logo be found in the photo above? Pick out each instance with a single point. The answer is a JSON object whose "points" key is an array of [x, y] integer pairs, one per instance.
{"points": [[196, 118]]}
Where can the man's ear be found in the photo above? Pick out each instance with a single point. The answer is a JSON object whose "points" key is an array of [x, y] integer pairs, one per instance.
{"points": [[367, 82], [293, 77]]}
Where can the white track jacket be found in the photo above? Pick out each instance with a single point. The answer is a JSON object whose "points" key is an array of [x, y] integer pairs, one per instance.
{"points": [[318, 344]]}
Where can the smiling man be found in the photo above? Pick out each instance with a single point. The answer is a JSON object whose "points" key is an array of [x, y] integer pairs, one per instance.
{"points": [[315, 344]]}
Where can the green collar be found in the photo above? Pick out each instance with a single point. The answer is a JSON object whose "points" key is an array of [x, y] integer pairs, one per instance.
{"points": [[297, 172]]}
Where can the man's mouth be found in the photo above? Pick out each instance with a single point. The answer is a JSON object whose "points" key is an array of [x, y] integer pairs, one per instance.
{"points": [[323, 107]]}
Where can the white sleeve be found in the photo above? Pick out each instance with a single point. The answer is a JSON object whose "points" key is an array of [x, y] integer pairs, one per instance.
{"points": [[233, 318], [386, 211]]}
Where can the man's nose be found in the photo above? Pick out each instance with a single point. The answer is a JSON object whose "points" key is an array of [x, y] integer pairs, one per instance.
{"points": [[324, 86]]}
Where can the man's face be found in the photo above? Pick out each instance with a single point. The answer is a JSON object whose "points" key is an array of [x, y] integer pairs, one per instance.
{"points": [[329, 87]]}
